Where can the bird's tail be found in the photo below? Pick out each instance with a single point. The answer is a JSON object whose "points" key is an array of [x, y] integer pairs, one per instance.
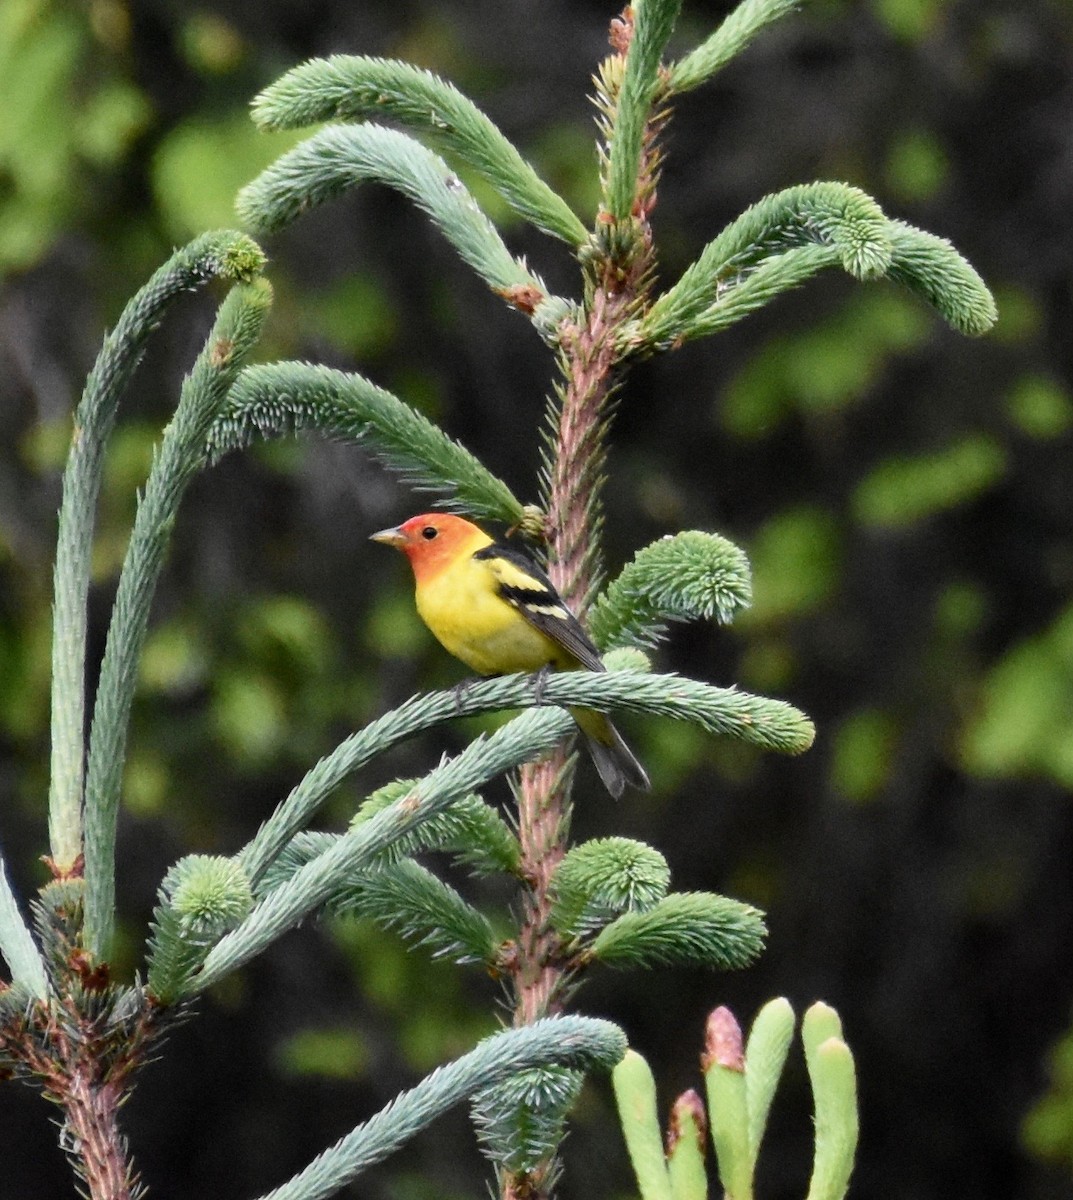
{"points": [[615, 761]]}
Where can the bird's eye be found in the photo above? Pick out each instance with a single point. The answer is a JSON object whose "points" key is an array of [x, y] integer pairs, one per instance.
{"points": [[429, 532]]}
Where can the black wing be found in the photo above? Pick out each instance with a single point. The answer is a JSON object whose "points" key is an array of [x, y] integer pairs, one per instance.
{"points": [[525, 586]]}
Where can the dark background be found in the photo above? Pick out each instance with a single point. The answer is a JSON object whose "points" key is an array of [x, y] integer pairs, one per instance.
{"points": [[903, 492]]}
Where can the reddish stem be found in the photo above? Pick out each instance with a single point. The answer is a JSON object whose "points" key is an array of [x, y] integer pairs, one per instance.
{"points": [[93, 1126], [591, 354]]}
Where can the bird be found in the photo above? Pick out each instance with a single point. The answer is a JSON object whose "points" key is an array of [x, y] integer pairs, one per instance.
{"points": [[492, 607]]}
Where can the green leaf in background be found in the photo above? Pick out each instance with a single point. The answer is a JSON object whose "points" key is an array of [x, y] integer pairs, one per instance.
{"points": [[1040, 407], [201, 164], [356, 314], [825, 369], [48, 66], [901, 491], [864, 747], [210, 44], [1047, 1130], [917, 165], [796, 561], [1023, 725], [909, 20], [336, 1053]]}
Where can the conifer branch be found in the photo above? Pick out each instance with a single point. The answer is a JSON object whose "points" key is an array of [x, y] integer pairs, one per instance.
{"points": [[832, 1075], [341, 156], [355, 87], [932, 268], [577, 1042], [832, 215], [685, 928], [765, 1056], [224, 254], [279, 399], [312, 884], [735, 33], [408, 897], [653, 24], [601, 879], [17, 946], [754, 289], [201, 898], [469, 830], [180, 456], [690, 576], [397, 893], [769, 724], [687, 1145], [723, 1062], [520, 1120]]}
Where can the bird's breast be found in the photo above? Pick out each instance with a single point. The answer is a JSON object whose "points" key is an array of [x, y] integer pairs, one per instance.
{"points": [[464, 611]]}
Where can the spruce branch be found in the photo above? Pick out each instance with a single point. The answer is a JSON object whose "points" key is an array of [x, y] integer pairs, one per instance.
{"points": [[723, 1063], [355, 87], [601, 879], [518, 741], [341, 156], [582, 1043], [653, 24], [469, 830], [935, 271], [761, 721], [832, 215], [58, 917], [279, 399], [201, 898], [396, 893], [689, 576], [224, 254], [685, 928], [769, 724], [752, 290], [409, 898], [17, 946], [180, 456], [732, 36], [687, 1145], [520, 1121]]}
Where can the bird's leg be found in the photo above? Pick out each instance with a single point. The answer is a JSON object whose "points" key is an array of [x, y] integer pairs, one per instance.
{"points": [[461, 690], [540, 679]]}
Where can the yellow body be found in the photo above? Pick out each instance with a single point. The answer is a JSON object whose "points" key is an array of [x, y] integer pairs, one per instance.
{"points": [[462, 607]]}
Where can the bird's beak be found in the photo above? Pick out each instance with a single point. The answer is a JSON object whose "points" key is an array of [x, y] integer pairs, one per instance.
{"points": [[389, 537]]}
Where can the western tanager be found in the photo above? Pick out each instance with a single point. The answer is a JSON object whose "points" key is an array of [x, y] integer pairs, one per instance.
{"points": [[492, 607]]}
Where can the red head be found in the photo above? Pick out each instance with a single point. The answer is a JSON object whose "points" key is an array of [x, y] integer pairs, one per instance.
{"points": [[432, 541]]}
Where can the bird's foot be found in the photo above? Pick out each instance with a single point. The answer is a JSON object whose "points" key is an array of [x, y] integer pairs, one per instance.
{"points": [[540, 679], [461, 690]]}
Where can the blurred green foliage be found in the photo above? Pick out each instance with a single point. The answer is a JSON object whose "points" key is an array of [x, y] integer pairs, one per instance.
{"points": [[327, 1053], [902, 490], [200, 165], [863, 754], [824, 369], [1040, 407], [904, 501], [1023, 724], [51, 63], [1046, 1128], [795, 560]]}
